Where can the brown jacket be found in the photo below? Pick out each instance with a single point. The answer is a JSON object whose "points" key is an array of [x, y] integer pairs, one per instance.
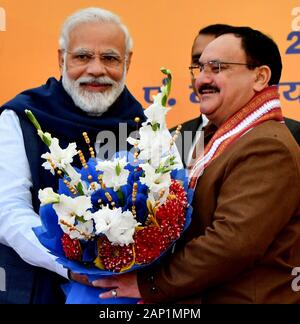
{"points": [[244, 239]]}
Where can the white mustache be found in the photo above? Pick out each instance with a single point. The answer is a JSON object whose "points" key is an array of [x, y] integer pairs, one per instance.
{"points": [[99, 80]]}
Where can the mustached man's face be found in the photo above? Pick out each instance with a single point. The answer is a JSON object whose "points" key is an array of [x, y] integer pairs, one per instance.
{"points": [[223, 92], [94, 66]]}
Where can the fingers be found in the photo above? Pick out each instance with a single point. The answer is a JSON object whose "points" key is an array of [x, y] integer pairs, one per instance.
{"points": [[114, 293], [131, 292], [80, 278], [105, 283], [119, 286], [108, 283]]}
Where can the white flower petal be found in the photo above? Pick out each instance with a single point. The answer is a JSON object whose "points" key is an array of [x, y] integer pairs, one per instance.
{"points": [[118, 226], [60, 157], [156, 114], [114, 174], [48, 196]]}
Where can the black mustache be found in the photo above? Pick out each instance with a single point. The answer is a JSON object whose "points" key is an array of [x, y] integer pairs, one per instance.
{"points": [[208, 87]]}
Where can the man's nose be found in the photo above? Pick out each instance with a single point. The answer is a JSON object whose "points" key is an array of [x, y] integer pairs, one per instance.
{"points": [[203, 78], [95, 67]]}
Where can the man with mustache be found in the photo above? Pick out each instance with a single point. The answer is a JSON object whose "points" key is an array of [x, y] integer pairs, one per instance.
{"points": [[94, 58], [194, 126], [244, 239]]}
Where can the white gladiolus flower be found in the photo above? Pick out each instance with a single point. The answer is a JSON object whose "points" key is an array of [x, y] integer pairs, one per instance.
{"points": [[156, 114], [122, 229], [157, 98], [69, 207], [118, 226], [103, 219], [60, 157], [153, 145], [114, 174], [48, 196], [156, 182]]}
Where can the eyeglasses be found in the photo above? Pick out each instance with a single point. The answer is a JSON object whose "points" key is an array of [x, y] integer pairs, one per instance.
{"points": [[212, 67], [84, 57]]}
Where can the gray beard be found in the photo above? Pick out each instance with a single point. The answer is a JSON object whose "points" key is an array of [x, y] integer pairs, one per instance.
{"points": [[94, 103]]}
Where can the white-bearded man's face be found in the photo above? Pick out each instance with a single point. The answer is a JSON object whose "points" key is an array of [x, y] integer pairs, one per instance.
{"points": [[94, 65]]}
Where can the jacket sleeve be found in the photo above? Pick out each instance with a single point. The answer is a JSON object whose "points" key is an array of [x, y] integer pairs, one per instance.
{"points": [[258, 196]]}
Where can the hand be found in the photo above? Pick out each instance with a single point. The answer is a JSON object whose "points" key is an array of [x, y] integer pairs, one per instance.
{"points": [[124, 285], [79, 278]]}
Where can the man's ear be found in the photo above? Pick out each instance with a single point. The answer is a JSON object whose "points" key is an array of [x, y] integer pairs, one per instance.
{"points": [[262, 77], [128, 61], [61, 60]]}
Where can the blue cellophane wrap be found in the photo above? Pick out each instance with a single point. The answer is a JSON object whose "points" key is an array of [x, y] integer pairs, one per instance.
{"points": [[50, 233]]}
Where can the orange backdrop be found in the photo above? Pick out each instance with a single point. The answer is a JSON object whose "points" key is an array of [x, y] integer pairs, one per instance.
{"points": [[163, 32]]}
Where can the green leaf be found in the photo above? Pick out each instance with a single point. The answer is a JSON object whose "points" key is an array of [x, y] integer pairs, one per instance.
{"points": [[120, 197], [32, 118], [172, 159], [45, 137], [167, 166], [118, 169], [166, 89], [79, 188], [46, 140], [155, 127], [164, 101], [80, 219]]}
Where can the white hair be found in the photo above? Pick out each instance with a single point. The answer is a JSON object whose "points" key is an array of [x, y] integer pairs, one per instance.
{"points": [[92, 15]]}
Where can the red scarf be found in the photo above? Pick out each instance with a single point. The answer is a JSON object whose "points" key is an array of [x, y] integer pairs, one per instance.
{"points": [[264, 106]]}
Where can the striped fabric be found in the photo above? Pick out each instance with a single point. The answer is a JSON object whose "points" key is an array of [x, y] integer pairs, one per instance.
{"points": [[262, 107]]}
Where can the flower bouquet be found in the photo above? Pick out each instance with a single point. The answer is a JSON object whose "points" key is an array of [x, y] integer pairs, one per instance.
{"points": [[114, 216]]}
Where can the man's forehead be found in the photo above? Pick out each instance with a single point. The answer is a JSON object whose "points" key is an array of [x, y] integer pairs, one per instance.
{"points": [[223, 46], [95, 29], [90, 35], [84, 50]]}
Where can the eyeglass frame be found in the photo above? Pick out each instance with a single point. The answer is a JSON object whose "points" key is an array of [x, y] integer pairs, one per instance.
{"points": [[93, 55], [201, 66]]}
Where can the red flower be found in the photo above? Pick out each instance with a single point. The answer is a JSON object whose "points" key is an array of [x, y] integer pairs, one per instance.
{"points": [[177, 189], [171, 215], [149, 243], [114, 257], [72, 248]]}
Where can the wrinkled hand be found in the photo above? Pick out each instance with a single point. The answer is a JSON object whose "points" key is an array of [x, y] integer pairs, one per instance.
{"points": [[124, 285], [79, 278]]}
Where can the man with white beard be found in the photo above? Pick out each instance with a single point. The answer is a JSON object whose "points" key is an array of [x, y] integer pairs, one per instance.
{"points": [[94, 57]]}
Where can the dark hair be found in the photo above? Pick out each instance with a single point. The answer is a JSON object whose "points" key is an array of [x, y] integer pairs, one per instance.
{"points": [[215, 29], [260, 50]]}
